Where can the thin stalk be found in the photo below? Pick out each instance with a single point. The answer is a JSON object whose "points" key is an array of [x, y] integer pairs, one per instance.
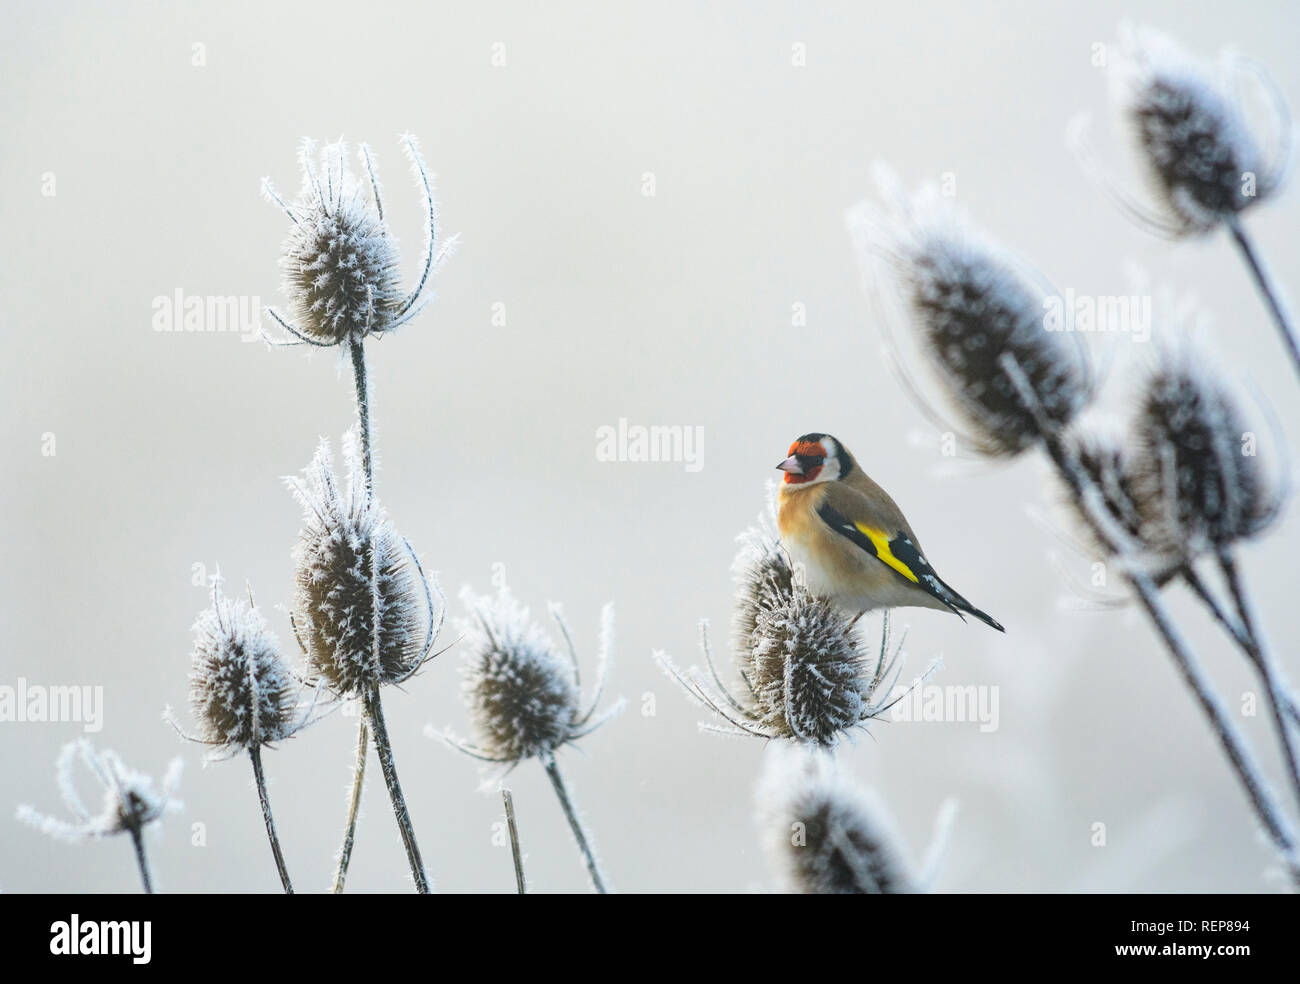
{"points": [[354, 807], [570, 814], [255, 753], [515, 850], [1238, 635], [384, 749], [137, 838], [1266, 287], [1088, 500], [361, 384], [1278, 697], [363, 407]]}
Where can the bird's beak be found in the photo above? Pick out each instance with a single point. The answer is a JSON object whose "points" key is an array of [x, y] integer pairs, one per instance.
{"points": [[791, 465]]}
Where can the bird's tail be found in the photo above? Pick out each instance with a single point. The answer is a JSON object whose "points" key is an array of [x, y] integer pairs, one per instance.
{"points": [[959, 604]]}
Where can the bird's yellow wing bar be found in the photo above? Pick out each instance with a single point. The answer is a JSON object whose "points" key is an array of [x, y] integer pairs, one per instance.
{"points": [[880, 540]]}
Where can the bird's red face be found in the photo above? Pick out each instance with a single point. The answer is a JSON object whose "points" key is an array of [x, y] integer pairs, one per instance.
{"points": [[805, 461]]}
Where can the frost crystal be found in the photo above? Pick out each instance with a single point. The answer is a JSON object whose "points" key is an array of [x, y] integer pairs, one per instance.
{"points": [[979, 315], [130, 801], [522, 691], [823, 834], [359, 584]]}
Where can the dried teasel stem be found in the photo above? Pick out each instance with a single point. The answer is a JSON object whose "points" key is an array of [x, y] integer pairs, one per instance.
{"points": [[1239, 636], [516, 852], [255, 753], [1266, 287], [383, 748], [1281, 701], [575, 824], [1091, 505], [354, 808], [359, 378], [360, 381], [141, 859]]}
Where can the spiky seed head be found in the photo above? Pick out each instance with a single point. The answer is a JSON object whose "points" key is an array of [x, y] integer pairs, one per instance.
{"points": [[807, 668], [241, 691], [1201, 481], [823, 834], [1109, 465], [339, 264], [358, 600], [972, 306], [1203, 161], [519, 687]]}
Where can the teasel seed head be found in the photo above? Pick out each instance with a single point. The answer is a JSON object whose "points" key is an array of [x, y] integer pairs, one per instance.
{"points": [[978, 314], [805, 672], [823, 834], [241, 691], [1109, 463], [359, 586], [521, 689], [806, 667], [1201, 481], [131, 801], [1204, 162], [339, 264]]}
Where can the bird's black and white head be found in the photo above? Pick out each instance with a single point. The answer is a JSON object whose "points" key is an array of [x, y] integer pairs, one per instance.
{"points": [[815, 458]]}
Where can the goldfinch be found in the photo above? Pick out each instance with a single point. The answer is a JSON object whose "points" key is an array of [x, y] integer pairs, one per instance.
{"points": [[854, 543]]}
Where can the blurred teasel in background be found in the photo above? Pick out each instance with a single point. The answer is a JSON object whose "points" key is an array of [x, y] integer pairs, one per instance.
{"points": [[131, 802], [1205, 160], [972, 312], [824, 835]]}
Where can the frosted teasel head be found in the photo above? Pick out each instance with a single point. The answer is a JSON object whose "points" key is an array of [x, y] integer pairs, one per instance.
{"points": [[1204, 159], [364, 610], [823, 834], [523, 691], [130, 802], [978, 315], [242, 693], [805, 672], [1109, 461], [1202, 483], [339, 262]]}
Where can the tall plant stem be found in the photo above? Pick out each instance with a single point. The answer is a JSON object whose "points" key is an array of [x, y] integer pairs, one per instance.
{"points": [[571, 814], [354, 807], [384, 749], [1243, 641], [255, 753], [141, 860], [1279, 699], [1091, 506], [515, 850], [361, 383], [1266, 287], [363, 408]]}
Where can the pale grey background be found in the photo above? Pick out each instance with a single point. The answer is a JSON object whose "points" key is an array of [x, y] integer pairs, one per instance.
{"points": [[673, 309]]}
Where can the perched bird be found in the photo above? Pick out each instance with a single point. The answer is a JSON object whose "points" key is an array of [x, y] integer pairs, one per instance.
{"points": [[853, 541]]}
